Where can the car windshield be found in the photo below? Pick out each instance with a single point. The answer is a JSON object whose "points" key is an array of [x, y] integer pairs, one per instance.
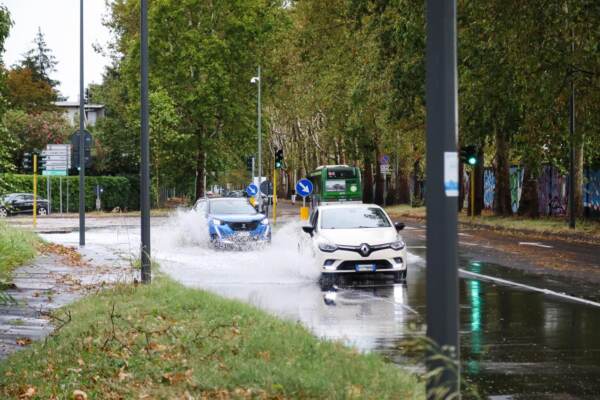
{"points": [[6, 198], [231, 207], [353, 218]]}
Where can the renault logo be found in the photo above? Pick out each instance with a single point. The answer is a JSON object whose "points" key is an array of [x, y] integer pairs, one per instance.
{"points": [[365, 249], [243, 226]]}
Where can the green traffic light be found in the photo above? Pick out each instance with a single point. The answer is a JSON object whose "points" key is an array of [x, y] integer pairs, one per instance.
{"points": [[472, 160]]}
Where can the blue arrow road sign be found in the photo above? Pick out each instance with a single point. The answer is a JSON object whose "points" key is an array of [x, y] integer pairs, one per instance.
{"points": [[304, 187], [252, 189]]}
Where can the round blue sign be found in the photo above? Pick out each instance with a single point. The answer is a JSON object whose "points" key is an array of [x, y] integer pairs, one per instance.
{"points": [[304, 187], [252, 189]]}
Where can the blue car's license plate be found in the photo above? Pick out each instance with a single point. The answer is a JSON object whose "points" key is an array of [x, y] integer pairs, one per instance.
{"points": [[364, 267]]}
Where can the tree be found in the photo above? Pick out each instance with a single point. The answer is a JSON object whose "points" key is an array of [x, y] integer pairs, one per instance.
{"points": [[7, 142], [27, 93], [40, 60]]}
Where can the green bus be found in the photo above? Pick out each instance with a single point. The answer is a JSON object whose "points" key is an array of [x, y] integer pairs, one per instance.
{"points": [[333, 183]]}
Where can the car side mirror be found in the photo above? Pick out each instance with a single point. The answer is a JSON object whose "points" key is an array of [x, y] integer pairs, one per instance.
{"points": [[399, 226], [308, 229]]}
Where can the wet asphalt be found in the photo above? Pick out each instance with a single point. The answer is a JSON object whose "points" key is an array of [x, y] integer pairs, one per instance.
{"points": [[516, 343]]}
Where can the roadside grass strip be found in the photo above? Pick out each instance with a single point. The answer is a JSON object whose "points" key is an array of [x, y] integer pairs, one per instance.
{"points": [[16, 248], [167, 341]]}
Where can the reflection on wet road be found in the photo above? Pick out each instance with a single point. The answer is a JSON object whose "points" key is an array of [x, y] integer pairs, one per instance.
{"points": [[515, 343]]}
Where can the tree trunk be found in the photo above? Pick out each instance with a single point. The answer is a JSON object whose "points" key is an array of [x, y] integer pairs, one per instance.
{"points": [[529, 204], [368, 182], [402, 187], [200, 173], [416, 200], [502, 201], [378, 179]]}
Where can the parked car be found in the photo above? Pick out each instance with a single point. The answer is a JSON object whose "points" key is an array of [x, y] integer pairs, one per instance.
{"points": [[236, 194], [350, 238], [233, 222], [21, 203]]}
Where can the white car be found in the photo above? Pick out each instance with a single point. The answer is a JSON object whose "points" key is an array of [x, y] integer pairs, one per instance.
{"points": [[356, 238]]}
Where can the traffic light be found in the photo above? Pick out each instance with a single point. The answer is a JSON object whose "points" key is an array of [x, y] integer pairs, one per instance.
{"points": [[279, 159], [468, 155], [26, 163], [249, 162]]}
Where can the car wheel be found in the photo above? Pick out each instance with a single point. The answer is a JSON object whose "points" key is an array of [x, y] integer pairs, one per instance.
{"points": [[400, 277], [42, 211], [3, 212]]}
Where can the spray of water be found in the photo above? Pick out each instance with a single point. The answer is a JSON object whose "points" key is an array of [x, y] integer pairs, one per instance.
{"points": [[183, 249]]}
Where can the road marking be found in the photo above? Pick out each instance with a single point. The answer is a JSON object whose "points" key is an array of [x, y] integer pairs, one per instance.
{"points": [[532, 288], [417, 247], [464, 234], [468, 244], [536, 244]]}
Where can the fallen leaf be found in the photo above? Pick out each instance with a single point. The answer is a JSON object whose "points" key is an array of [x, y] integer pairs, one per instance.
{"points": [[79, 395], [23, 341], [28, 393]]}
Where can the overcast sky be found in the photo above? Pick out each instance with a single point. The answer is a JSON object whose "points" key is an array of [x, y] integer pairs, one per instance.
{"points": [[59, 21]]}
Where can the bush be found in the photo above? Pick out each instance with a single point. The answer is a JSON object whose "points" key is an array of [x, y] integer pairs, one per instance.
{"points": [[119, 191]]}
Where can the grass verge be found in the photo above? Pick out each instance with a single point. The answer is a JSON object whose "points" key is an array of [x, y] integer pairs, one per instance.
{"points": [[16, 248], [585, 230], [167, 341]]}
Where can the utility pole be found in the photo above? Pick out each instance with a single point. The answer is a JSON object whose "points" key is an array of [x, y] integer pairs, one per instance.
{"points": [[81, 134], [145, 149], [441, 197]]}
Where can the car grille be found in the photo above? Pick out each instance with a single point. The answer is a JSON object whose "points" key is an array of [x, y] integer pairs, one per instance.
{"points": [[350, 265], [243, 226]]}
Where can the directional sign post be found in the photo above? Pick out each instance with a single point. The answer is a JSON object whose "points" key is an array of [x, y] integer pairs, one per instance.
{"points": [[304, 188], [252, 190]]}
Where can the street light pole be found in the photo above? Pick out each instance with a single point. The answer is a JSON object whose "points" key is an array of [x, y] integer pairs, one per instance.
{"points": [[81, 134], [572, 146], [145, 149], [257, 79], [441, 197]]}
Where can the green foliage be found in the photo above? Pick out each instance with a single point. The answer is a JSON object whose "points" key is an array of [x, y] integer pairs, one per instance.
{"points": [[16, 247], [119, 191], [167, 341], [40, 60]]}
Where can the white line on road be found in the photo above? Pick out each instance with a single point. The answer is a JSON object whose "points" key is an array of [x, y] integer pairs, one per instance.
{"points": [[532, 288], [537, 244], [417, 247], [464, 234]]}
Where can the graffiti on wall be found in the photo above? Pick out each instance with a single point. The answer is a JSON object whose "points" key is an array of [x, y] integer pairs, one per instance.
{"points": [[489, 184], [591, 190], [552, 192]]}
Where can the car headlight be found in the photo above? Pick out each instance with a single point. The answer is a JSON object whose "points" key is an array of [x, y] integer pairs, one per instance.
{"points": [[216, 222], [265, 221], [327, 247], [398, 244]]}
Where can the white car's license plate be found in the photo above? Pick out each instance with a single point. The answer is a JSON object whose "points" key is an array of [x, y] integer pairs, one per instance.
{"points": [[364, 267]]}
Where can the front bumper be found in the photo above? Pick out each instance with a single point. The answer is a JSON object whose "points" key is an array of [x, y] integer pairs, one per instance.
{"points": [[225, 235], [350, 262]]}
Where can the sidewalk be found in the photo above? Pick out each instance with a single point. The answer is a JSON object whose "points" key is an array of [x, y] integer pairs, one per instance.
{"points": [[49, 282]]}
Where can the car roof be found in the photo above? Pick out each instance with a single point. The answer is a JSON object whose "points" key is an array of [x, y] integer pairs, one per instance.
{"points": [[346, 205], [227, 199]]}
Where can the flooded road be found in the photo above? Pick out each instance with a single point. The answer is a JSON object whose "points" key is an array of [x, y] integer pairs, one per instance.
{"points": [[515, 343]]}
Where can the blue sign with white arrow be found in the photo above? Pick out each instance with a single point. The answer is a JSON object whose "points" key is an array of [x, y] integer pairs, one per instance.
{"points": [[252, 189], [304, 187]]}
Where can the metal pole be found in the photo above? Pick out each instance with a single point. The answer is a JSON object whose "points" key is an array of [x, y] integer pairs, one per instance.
{"points": [[49, 194], [67, 195], [60, 193], [274, 196], [472, 192], [81, 135], [441, 196], [572, 148], [34, 190], [259, 142], [145, 149]]}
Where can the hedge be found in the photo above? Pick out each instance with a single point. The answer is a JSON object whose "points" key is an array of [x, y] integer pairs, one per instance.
{"points": [[119, 191]]}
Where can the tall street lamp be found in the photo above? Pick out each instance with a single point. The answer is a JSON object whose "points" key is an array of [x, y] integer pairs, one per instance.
{"points": [[145, 149], [257, 81]]}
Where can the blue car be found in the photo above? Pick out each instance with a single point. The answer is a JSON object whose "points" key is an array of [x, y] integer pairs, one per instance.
{"points": [[234, 222]]}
